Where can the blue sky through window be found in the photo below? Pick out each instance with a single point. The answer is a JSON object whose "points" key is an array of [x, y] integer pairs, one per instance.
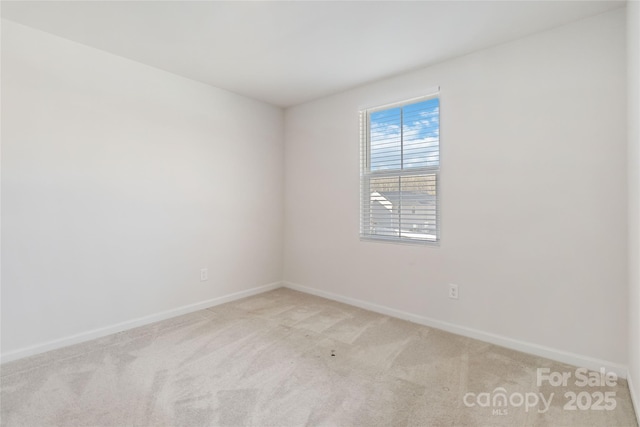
{"points": [[405, 137]]}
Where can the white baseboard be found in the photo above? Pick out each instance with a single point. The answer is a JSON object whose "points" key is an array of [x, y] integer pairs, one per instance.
{"points": [[525, 347], [134, 323], [538, 350], [634, 397]]}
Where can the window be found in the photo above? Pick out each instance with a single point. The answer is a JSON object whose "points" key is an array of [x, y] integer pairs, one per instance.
{"points": [[400, 172]]}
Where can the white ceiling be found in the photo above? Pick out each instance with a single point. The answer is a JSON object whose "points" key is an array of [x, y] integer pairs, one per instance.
{"points": [[286, 53]]}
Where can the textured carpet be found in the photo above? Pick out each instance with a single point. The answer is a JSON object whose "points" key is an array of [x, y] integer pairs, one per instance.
{"points": [[285, 358]]}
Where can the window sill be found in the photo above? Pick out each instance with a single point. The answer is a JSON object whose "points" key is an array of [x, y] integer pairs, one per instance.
{"points": [[411, 242]]}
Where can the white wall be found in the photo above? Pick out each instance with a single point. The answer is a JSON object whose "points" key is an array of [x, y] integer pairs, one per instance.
{"points": [[633, 49], [119, 182], [533, 192]]}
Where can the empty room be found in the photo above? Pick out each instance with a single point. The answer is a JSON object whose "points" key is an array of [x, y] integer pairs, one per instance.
{"points": [[320, 213]]}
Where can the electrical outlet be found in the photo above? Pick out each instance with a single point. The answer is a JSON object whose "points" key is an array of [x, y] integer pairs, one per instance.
{"points": [[453, 291], [204, 274]]}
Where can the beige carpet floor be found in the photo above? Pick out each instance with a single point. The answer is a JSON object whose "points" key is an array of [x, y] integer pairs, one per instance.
{"points": [[285, 358]]}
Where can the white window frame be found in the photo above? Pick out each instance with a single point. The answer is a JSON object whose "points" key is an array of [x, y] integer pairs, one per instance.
{"points": [[366, 174]]}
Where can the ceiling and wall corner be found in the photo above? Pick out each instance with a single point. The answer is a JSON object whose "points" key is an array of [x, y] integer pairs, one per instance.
{"points": [[287, 53]]}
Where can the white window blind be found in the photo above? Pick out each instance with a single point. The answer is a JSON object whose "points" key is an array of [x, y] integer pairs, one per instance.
{"points": [[400, 171]]}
